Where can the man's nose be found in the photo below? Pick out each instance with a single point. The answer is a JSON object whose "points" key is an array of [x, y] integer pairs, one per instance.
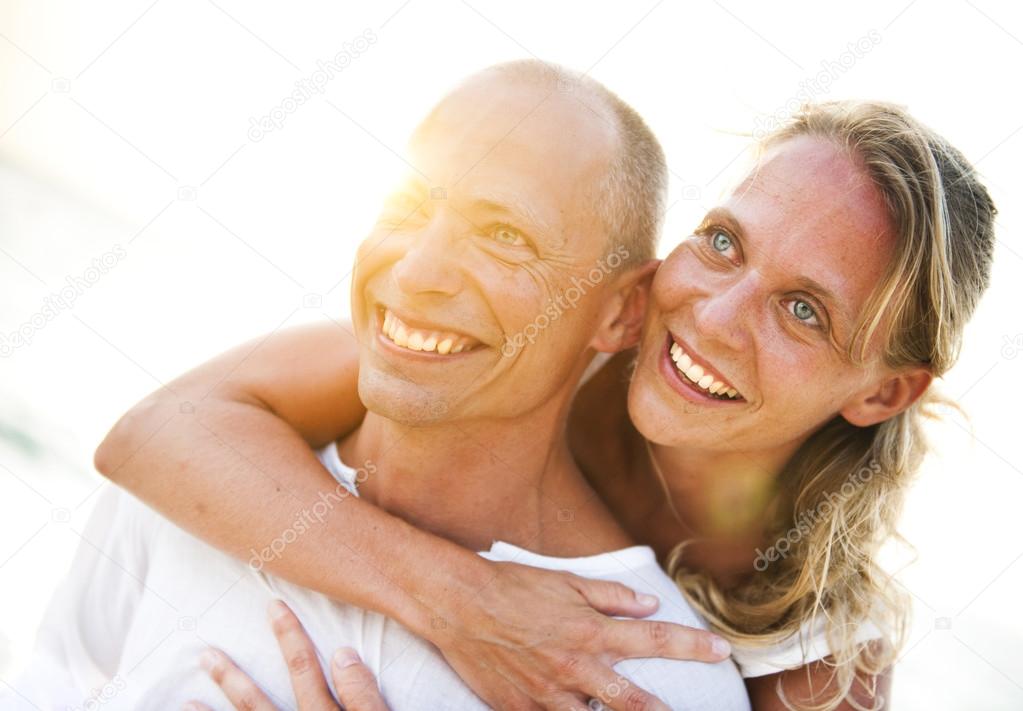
{"points": [[430, 264]]}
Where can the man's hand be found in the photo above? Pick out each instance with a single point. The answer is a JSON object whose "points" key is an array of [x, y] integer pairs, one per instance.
{"points": [[355, 685], [540, 639]]}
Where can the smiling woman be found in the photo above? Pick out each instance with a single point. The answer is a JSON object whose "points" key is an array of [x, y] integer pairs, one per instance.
{"points": [[831, 287]]}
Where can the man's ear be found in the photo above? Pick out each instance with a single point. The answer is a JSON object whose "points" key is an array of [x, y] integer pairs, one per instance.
{"points": [[888, 398], [621, 317]]}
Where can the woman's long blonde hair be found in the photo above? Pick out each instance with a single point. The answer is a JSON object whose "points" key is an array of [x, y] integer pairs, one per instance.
{"points": [[853, 479]]}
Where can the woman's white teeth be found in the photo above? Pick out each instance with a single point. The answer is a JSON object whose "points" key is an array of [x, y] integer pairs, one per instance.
{"points": [[695, 373], [421, 340]]}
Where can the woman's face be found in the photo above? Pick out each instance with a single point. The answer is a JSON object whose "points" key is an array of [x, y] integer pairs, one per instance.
{"points": [[761, 302]]}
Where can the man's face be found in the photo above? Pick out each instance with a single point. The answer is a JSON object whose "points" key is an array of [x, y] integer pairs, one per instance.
{"points": [[477, 250]]}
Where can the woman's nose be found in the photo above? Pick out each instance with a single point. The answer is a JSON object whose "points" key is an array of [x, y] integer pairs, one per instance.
{"points": [[723, 313]]}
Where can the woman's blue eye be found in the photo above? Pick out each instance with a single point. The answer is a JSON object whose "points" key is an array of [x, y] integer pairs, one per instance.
{"points": [[803, 311], [721, 241]]}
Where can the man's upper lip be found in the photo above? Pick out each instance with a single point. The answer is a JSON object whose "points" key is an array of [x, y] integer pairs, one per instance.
{"points": [[423, 324], [700, 361]]}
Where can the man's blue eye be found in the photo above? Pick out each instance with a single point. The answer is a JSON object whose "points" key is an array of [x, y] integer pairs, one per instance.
{"points": [[721, 241]]}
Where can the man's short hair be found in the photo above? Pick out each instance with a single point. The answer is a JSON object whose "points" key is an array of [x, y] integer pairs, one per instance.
{"points": [[629, 201]]}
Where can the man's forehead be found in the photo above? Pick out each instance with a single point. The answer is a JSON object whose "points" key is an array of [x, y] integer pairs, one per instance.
{"points": [[517, 121], [516, 142]]}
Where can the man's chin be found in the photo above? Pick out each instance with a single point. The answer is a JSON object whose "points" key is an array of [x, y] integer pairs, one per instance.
{"points": [[403, 400]]}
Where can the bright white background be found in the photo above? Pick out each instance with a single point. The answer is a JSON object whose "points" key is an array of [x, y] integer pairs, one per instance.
{"points": [[126, 127]]}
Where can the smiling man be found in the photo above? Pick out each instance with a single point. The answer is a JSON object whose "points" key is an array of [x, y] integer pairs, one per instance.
{"points": [[530, 183]]}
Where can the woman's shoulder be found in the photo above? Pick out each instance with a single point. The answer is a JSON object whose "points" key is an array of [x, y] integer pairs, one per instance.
{"points": [[808, 644]]}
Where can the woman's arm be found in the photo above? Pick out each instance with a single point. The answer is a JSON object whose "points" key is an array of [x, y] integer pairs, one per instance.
{"points": [[813, 683], [212, 453]]}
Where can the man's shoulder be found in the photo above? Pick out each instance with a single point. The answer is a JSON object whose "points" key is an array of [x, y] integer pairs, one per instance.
{"points": [[635, 567]]}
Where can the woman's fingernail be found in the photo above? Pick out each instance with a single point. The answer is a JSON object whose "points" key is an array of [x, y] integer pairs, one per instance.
{"points": [[647, 600], [277, 610], [720, 646], [345, 657], [208, 659], [190, 706]]}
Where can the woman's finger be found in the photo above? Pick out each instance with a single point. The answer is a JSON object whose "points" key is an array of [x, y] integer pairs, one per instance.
{"points": [[355, 684], [307, 680], [239, 689], [195, 706]]}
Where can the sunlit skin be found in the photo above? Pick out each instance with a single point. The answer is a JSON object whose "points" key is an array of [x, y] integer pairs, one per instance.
{"points": [[767, 291], [484, 263], [482, 256]]}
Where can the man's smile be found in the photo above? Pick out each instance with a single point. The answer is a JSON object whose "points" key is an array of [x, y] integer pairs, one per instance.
{"points": [[422, 337]]}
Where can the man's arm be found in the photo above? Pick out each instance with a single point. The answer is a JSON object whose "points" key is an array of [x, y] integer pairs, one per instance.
{"points": [[225, 451], [212, 453]]}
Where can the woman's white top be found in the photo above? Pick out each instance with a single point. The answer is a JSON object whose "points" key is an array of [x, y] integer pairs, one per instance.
{"points": [[810, 644]]}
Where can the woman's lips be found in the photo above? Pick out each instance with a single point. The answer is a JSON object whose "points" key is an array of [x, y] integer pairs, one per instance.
{"points": [[695, 381]]}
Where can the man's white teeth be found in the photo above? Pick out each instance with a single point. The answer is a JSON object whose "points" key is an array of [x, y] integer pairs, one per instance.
{"points": [[695, 373], [417, 339]]}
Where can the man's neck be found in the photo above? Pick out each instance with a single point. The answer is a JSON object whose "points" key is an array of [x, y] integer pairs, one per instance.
{"points": [[483, 480]]}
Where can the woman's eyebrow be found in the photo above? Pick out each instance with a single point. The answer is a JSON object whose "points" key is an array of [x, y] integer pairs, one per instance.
{"points": [[826, 296], [727, 217]]}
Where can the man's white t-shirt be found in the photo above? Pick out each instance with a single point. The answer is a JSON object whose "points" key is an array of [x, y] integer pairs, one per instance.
{"points": [[144, 599]]}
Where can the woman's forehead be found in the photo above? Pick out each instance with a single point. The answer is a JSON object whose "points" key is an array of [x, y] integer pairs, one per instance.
{"points": [[808, 211], [811, 187]]}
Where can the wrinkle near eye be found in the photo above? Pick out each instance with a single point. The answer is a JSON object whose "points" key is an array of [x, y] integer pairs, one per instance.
{"points": [[543, 276]]}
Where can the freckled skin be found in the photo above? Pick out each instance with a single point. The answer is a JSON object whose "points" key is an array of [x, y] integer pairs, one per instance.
{"points": [[810, 211]]}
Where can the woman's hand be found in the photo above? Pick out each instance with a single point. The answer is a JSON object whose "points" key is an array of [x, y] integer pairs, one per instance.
{"points": [[353, 681], [534, 638]]}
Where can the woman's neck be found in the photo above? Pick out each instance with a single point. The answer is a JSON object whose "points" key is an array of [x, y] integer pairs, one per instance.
{"points": [[718, 495]]}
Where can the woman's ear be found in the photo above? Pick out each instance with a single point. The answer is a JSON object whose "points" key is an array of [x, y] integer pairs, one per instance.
{"points": [[621, 317], [888, 398]]}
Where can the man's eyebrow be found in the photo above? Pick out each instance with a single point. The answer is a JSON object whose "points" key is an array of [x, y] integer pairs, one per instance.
{"points": [[516, 208]]}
